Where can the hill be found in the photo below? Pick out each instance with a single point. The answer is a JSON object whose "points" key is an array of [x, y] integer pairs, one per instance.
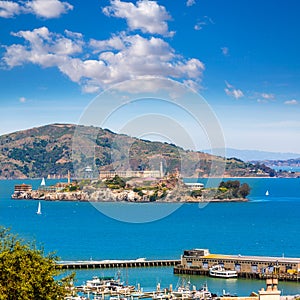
{"points": [[256, 155], [38, 152], [289, 164]]}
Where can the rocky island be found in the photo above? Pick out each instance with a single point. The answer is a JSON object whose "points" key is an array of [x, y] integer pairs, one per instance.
{"points": [[168, 189]]}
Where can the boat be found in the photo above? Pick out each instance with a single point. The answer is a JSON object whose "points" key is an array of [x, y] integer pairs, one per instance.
{"points": [[183, 289], [106, 285], [43, 183], [220, 271], [137, 294], [203, 294], [267, 193], [39, 210]]}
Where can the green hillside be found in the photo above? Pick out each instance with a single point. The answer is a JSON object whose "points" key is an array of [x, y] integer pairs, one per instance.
{"points": [[45, 150]]}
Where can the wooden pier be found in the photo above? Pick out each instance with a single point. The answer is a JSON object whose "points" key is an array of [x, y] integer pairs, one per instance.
{"points": [[108, 264]]}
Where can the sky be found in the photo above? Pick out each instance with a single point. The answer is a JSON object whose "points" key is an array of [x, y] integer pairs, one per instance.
{"points": [[242, 57]]}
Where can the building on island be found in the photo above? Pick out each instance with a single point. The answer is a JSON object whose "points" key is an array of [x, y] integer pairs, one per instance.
{"points": [[88, 172], [128, 174], [195, 185], [20, 188]]}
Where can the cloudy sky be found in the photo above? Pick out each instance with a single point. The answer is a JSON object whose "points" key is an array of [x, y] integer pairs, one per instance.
{"points": [[241, 56]]}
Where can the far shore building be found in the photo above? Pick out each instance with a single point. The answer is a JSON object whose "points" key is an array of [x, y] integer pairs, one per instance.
{"points": [[128, 174], [136, 174]]}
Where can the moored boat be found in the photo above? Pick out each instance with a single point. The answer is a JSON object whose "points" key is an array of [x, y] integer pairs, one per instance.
{"points": [[203, 294], [221, 272]]}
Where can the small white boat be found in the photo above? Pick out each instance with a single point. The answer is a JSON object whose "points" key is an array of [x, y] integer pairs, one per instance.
{"points": [[43, 183], [39, 209], [220, 271], [267, 193], [137, 294], [204, 293]]}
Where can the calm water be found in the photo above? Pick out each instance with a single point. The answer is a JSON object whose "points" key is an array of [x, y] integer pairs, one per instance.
{"points": [[267, 225]]}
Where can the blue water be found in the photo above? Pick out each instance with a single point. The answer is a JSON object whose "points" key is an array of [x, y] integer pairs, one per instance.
{"points": [[266, 225]]}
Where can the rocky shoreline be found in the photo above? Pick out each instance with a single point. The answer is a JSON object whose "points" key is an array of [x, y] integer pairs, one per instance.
{"points": [[106, 195]]}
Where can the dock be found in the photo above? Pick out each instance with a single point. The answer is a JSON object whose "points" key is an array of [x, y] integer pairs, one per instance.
{"points": [[109, 264], [199, 261]]}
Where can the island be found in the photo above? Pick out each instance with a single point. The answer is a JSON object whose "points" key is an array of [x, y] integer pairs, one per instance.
{"points": [[168, 189]]}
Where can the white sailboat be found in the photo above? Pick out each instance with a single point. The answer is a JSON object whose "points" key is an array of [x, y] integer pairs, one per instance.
{"points": [[43, 183], [39, 210], [267, 193]]}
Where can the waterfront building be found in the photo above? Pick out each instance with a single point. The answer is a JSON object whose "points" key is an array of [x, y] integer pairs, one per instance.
{"points": [[198, 261]]}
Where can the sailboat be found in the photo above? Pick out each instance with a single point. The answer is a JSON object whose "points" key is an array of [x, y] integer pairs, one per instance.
{"points": [[267, 193], [43, 183], [39, 210]]}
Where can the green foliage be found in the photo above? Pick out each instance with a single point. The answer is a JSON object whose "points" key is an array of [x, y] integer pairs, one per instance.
{"points": [[232, 189], [115, 183], [73, 188], [196, 193], [153, 197], [26, 273], [244, 190]]}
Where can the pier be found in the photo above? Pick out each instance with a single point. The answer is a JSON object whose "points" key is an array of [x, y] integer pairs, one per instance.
{"points": [[199, 261], [108, 264]]}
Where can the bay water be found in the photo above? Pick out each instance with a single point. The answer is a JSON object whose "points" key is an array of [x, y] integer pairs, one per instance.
{"points": [[266, 225]]}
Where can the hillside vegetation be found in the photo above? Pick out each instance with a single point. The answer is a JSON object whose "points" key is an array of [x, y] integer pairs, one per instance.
{"points": [[47, 150]]}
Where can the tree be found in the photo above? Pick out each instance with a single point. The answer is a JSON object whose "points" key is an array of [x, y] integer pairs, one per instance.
{"points": [[244, 190], [26, 273]]}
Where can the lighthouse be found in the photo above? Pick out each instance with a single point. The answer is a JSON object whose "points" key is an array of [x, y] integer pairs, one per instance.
{"points": [[161, 169]]}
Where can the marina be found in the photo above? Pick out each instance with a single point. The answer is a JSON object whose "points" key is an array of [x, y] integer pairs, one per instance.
{"points": [[106, 288]]}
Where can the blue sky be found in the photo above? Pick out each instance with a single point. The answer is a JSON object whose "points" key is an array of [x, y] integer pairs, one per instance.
{"points": [[241, 56]]}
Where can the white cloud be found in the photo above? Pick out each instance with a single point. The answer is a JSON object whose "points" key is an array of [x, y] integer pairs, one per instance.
{"points": [[9, 9], [41, 8], [48, 8], [147, 16], [199, 25], [98, 64], [291, 102], [22, 99], [42, 47], [190, 2], [225, 51], [110, 61], [230, 90], [115, 42], [267, 96]]}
